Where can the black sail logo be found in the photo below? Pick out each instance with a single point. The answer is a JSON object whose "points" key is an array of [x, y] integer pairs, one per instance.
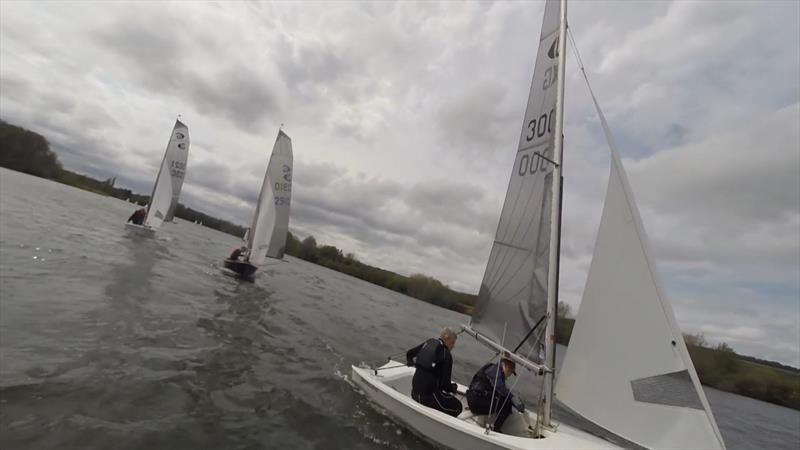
{"points": [[180, 135], [553, 52], [182, 146]]}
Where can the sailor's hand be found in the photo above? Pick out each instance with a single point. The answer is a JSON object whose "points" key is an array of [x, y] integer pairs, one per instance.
{"points": [[409, 362], [453, 387]]}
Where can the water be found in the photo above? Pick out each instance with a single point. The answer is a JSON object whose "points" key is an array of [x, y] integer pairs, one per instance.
{"points": [[112, 340]]}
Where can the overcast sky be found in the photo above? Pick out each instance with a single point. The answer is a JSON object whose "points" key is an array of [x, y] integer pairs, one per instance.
{"points": [[405, 117]]}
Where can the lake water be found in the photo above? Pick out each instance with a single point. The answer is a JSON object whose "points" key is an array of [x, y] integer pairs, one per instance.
{"points": [[113, 340]]}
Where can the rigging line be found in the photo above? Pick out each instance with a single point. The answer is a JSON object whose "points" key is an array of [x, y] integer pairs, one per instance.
{"points": [[519, 377], [529, 333], [496, 374]]}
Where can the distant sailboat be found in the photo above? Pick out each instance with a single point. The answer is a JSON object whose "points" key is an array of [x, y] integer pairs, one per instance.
{"points": [[168, 181], [266, 237], [627, 368]]}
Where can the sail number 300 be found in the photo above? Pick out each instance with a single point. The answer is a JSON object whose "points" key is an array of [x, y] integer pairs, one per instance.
{"points": [[541, 126]]}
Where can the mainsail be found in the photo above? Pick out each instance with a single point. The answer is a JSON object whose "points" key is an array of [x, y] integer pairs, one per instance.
{"points": [[267, 236], [170, 175], [181, 156], [627, 368], [513, 293]]}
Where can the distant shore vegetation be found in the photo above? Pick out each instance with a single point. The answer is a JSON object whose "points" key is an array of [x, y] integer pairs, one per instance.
{"points": [[717, 366]]}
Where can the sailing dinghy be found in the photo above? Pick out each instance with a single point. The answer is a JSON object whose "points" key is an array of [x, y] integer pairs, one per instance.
{"points": [[169, 181], [627, 368], [266, 237]]}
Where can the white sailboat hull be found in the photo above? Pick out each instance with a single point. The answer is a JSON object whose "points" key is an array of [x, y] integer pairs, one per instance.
{"points": [[390, 389], [141, 229]]}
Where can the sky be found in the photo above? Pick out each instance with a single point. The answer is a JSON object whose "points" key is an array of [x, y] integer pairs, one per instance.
{"points": [[405, 116]]}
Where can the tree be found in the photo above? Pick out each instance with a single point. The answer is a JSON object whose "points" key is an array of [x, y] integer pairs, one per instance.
{"points": [[564, 310], [28, 152], [308, 249]]}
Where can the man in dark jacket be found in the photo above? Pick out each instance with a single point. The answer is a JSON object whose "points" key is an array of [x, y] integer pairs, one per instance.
{"points": [[431, 385], [138, 216], [488, 393], [238, 253]]}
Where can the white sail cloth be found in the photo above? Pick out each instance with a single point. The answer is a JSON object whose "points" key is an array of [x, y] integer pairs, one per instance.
{"points": [[170, 177], [627, 368], [267, 236], [513, 293]]}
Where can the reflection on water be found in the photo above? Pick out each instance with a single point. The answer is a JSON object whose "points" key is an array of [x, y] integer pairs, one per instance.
{"points": [[109, 340]]}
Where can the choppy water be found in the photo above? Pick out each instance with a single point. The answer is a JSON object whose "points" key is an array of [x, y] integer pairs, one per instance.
{"points": [[111, 340]]}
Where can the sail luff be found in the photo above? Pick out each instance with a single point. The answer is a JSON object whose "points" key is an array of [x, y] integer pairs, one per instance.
{"points": [[555, 221]]}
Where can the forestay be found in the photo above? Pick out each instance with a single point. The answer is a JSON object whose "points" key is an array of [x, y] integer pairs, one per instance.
{"points": [[267, 236], [170, 177], [513, 293], [627, 368]]}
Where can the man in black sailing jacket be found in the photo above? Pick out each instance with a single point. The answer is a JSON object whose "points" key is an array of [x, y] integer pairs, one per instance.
{"points": [[432, 385]]}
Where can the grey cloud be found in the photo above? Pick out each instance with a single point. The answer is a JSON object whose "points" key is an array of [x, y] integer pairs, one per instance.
{"points": [[474, 121], [153, 47]]}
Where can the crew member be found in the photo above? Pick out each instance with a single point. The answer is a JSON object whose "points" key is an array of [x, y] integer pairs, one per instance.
{"points": [[138, 216], [488, 393], [431, 385], [238, 253]]}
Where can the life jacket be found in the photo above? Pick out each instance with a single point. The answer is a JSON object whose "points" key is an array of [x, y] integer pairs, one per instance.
{"points": [[428, 356]]}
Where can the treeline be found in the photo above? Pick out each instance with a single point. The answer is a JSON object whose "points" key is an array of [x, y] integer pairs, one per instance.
{"points": [[419, 286], [722, 368], [26, 151]]}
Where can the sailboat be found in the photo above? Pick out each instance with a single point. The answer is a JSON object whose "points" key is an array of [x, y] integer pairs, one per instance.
{"points": [[627, 369], [169, 181], [266, 237]]}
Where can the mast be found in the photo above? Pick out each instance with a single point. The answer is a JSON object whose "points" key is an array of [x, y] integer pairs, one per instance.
{"points": [[555, 221]]}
